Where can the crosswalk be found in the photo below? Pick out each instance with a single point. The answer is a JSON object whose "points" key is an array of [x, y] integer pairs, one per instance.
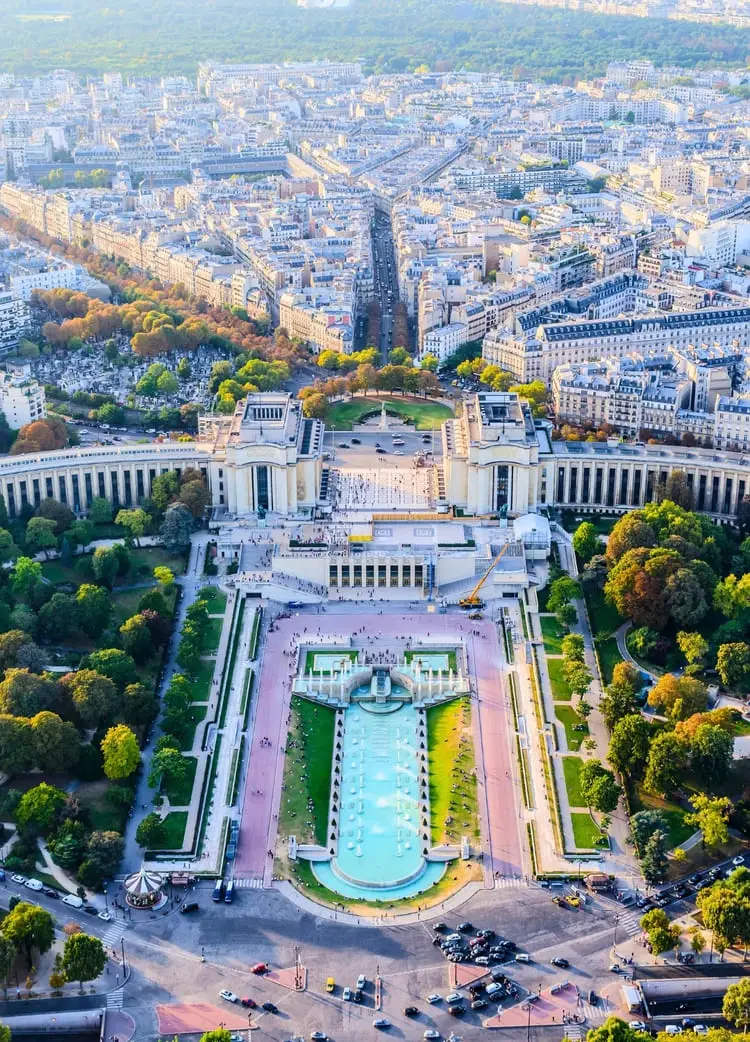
{"points": [[629, 923], [114, 999], [505, 882], [249, 884], [112, 936], [574, 1031]]}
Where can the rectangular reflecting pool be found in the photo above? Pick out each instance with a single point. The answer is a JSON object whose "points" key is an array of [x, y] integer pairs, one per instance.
{"points": [[381, 822]]}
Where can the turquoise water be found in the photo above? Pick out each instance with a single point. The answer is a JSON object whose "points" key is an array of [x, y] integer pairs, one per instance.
{"points": [[380, 830]]}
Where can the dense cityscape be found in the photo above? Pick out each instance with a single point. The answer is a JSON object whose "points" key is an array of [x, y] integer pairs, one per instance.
{"points": [[375, 542]]}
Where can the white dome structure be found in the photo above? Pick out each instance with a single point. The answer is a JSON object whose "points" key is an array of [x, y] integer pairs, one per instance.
{"points": [[143, 889]]}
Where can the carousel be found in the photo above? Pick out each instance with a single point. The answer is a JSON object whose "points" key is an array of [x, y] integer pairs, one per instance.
{"points": [[143, 890]]}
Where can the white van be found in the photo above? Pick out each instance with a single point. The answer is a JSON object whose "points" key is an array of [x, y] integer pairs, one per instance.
{"points": [[34, 884], [72, 900]]}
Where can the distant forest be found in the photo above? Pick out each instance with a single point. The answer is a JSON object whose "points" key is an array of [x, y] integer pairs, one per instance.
{"points": [[172, 36]]}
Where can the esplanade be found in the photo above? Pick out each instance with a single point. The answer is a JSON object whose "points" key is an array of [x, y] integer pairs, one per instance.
{"points": [[495, 459]]}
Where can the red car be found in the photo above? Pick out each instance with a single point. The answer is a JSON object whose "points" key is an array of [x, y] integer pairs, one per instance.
{"points": [[248, 1003], [259, 967]]}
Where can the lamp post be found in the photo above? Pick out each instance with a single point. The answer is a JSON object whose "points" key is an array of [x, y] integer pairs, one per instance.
{"points": [[614, 942]]}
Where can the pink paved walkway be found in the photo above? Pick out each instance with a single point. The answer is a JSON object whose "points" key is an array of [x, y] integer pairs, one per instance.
{"points": [[546, 1011], [494, 755], [192, 1017]]}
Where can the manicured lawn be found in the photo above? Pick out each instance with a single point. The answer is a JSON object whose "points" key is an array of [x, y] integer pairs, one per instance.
{"points": [[212, 635], [609, 656], [307, 772], [126, 604], [201, 686], [214, 598], [174, 829], [673, 814], [103, 815], [146, 558], [604, 617], [553, 634], [197, 714], [179, 793], [560, 690], [740, 725], [585, 831], [426, 415], [453, 784], [569, 718], [572, 771]]}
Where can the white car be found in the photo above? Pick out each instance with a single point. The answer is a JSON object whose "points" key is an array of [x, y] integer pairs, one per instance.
{"points": [[638, 1025], [398, 452], [381, 1022], [34, 884], [434, 998], [673, 1029], [228, 996], [700, 1029], [455, 996], [739, 860], [18, 879], [431, 1033], [105, 916], [361, 980]]}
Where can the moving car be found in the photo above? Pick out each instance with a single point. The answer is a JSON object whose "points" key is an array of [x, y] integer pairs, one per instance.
{"points": [[270, 1007], [228, 996], [431, 1033], [318, 1036], [105, 917], [191, 906], [259, 967], [381, 1022], [561, 964], [330, 985], [411, 1011]]}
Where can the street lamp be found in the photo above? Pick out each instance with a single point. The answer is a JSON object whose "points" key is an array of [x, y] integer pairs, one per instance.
{"points": [[614, 942]]}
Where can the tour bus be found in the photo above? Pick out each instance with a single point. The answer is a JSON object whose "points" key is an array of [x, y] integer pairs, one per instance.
{"points": [[218, 890], [229, 892]]}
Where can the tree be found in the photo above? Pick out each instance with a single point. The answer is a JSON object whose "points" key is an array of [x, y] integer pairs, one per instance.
{"points": [[711, 753], [55, 742], [105, 565], [711, 816], [429, 362], [150, 833], [25, 576], [100, 511], [8, 549], [24, 694], [16, 745], [136, 638], [39, 807], [167, 384], [53, 510], [95, 697], [83, 958], [195, 496], [693, 646], [629, 744], [134, 521], [168, 765], [104, 850], [736, 1004], [578, 676], [165, 578], [572, 647], [11, 643], [643, 824], [598, 787], [81, 532], [315, 406], [733, 663], [727, 913], [93, 609], [685, 598], [586, 541], [176, 528], [120, 751], [631, 531], [666, 761], [562, 591], [662, 935], [57, 618], [617, 702], [164, 490], [115, 664], [7, 959], [139, 705], [29, 928], [217, 1035], [678, 697], [616, 1030]]}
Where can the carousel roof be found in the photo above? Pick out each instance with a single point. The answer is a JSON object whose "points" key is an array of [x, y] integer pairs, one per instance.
{"points": [[143, 883]]}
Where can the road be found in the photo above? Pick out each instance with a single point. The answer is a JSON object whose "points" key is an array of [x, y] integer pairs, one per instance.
{"points": [[386, 280]]}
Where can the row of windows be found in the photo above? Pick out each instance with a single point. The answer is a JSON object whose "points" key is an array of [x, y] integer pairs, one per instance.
{"points": [[347, 575], [67, 488], [605, 490]]}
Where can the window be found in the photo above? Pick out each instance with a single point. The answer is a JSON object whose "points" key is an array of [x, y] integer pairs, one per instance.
{"points": [[333, 575], [115, 490], [394, 575], [76, 493], [382, 580], [50, 489], [102, 487], [586, 489], [37, 492], [128, 489], [406, 575], [623, 488], [264, 493], [357, 575], [344, 574], [11, 500], [62, 485], [611, 478], [418, 575], [369, 575], [561, 484]]}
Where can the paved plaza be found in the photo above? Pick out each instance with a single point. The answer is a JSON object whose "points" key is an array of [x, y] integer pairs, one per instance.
{"points": [[397, 488], [493, 728]]}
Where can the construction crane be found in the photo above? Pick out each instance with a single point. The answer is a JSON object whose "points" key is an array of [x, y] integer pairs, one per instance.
{"points": [[474, 600]]}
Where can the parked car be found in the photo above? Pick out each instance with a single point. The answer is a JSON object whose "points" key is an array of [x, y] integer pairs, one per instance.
{"points": [[270, 1007], [561, 963], [411, 1011], [431, 1033], [190, 906], [49, 891], [346, 995], [432, 999], [361, 981], [259, 967], [381, 1022], [228, 996], [248, 1003]]}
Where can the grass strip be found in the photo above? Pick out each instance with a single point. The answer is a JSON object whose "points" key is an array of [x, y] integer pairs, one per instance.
{"points": [[524, 624], [523, 770], [207, 790], [229, 672], [531, 835], [254, 635], [234, 773], [247, 690]]}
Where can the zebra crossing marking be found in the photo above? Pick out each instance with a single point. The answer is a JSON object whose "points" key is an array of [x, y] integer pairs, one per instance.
{"points": [[249, 884], [114, 999], [504, 882]]}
